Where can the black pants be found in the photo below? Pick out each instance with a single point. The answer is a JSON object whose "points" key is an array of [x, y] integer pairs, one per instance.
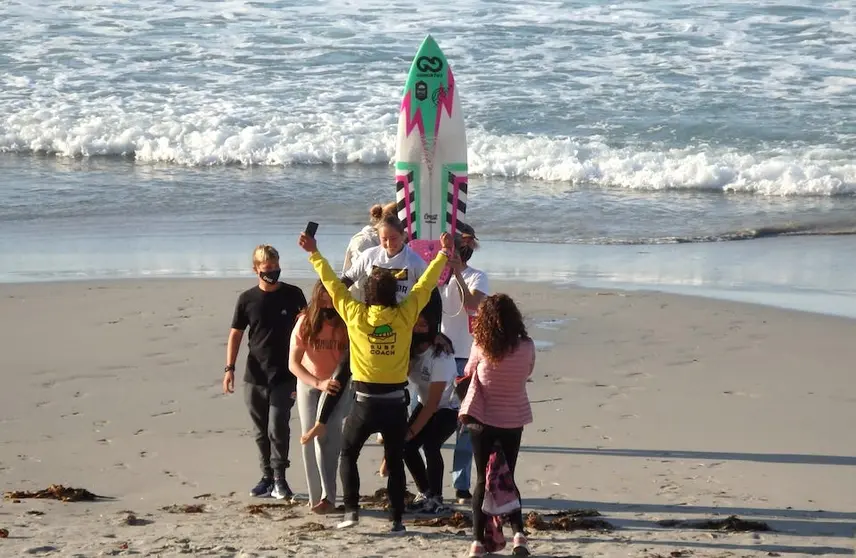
{"points": [[328, 402], [430, 439], [484, 438], [389, 417], [270, 411]]}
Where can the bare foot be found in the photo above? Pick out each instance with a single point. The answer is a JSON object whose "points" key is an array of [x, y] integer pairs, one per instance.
{"points": [[323, 507], [316, 431], [383, 470]]}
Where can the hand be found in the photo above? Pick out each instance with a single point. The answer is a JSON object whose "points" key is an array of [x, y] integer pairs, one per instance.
{"points": [[447, 243], [307, 243], [455, 263], [229, 382], [331, 386]]}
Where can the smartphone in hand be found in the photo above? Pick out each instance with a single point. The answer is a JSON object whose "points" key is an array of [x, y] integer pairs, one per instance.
{"points": [[311, 227]]}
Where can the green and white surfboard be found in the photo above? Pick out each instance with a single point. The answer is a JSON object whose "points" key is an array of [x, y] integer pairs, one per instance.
{"points": [[431, 152]]}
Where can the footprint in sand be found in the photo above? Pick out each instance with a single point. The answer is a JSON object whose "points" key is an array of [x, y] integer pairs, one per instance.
{"points": [[163, 414], [742, 394], [534, 484], [140, 431], [627, 417], [103, 441]]}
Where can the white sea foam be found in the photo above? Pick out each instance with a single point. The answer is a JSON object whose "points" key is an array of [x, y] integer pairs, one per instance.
{"points": [[202, 140], [654, 95]]}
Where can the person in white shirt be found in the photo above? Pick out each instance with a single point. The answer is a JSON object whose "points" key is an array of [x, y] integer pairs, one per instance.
{"points": [[435, 418], [392, 253], [457, 321], [366, 238]]}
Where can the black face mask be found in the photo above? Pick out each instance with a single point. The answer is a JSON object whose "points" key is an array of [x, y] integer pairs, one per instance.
{"points": [[422, 337], [328, 313], [270, 277], [466, 252]]}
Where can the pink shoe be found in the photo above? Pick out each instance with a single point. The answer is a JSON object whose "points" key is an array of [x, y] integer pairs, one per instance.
{"points": [[520, 546], [476, 550]]}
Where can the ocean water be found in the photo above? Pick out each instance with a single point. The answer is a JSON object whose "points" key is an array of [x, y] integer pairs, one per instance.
{"points": [[168, 137]]}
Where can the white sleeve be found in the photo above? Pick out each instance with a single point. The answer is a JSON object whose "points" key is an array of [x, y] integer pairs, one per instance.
{"points": [[478, 282], [443, 369], [356, 271]]}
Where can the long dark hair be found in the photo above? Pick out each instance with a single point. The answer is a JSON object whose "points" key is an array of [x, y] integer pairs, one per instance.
{"points": [[313, 321], [498, 327]]}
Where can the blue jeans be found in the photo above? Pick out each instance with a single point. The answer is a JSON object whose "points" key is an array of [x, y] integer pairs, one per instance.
{"points": [[462, 458]]}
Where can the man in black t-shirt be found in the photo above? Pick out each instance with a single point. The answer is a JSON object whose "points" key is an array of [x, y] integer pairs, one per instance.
{"points": [[269, 311]]}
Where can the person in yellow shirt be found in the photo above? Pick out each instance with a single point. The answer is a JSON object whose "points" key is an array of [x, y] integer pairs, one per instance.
{"points": [[380, 331]]}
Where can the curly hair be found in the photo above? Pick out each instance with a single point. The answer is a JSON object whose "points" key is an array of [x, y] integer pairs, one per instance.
{"points": [[498, 327], [381, 288]]}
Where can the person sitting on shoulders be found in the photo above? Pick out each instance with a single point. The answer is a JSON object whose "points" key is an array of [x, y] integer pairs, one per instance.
{"points": [[380, 332]]}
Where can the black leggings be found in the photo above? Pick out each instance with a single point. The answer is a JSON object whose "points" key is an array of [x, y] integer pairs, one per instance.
{"points": [[483, 438], [328, 402], [366, 417], [343, 371], [430, 439]]}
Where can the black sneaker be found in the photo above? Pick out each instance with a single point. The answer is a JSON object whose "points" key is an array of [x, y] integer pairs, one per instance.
{"points": [[397, 528], [351, 518], [263, 488], [418, 503], [281, 490], [463, 496]]}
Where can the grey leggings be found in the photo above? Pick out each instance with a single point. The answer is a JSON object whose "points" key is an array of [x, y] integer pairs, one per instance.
{"points": [[321, 456]]}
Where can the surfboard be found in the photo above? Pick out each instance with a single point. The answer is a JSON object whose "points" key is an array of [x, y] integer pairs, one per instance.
{"points": [[430, 152]]}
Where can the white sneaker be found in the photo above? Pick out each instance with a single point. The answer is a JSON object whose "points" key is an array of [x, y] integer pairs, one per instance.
{"points": [[520, 546], [281, 490], [351, 519]]}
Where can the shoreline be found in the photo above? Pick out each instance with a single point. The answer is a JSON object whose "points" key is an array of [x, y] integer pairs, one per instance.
{"points": [[816, 275]]}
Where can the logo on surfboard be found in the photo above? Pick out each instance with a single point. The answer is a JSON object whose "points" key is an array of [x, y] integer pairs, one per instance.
{"points": [[420, 91], [430, 64]]}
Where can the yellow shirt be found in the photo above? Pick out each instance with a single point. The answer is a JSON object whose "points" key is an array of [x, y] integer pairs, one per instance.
{"points": [[380, 336]]}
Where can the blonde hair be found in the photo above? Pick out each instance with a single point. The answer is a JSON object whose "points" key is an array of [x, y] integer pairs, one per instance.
{"points": [[264, 253], [390, 209]]}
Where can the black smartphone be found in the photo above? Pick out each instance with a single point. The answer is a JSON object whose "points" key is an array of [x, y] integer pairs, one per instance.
{"points": [[311, 227]]}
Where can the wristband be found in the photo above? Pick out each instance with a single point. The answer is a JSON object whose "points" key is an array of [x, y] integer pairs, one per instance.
{"points": [[229, 368]]}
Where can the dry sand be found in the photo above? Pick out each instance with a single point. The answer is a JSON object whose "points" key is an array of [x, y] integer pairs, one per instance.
{"points": [[647, 407]]}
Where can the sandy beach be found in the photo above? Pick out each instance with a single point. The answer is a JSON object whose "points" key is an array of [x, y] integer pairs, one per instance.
{"points": [[648, 407]]}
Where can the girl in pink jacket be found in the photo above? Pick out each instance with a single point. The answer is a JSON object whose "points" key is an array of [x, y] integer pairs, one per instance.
{"points": [[496, 407]]}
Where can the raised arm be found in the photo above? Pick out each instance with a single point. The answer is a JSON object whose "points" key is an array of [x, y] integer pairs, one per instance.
{"points": [[421, 291], [343, 302]]}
